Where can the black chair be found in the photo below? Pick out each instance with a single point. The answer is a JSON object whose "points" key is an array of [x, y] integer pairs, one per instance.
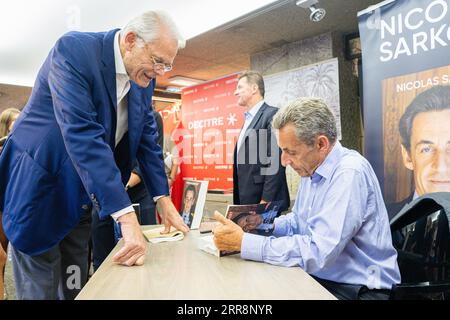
{"points": [[421, 236]]}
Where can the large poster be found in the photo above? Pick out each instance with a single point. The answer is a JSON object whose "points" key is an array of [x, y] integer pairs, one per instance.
{"points": [[210, 124], [406, 85]]}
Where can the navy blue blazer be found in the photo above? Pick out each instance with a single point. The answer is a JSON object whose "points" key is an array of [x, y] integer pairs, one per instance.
{"points": [[59, 158], [250, 184]]}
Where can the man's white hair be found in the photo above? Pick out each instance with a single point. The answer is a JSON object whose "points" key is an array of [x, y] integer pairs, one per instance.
{"points": [[149, 25]]}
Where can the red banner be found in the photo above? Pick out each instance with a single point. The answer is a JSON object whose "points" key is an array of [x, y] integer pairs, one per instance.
{"points": [[210, 124]]}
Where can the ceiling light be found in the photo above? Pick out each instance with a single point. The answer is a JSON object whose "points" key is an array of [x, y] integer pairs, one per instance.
{"points": [[317, 14], [173, 89], [184, 81]]}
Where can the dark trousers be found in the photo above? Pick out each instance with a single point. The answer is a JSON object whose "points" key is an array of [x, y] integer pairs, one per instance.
{"points": [[103, 240], [148, 211], [344, 291], [57, 274]]}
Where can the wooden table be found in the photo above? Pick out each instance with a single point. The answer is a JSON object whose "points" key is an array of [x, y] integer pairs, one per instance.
{"points": [[179, 270]]}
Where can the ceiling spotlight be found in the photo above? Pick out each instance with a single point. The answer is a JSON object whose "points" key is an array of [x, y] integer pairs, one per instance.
{"points": [[317, 14]]}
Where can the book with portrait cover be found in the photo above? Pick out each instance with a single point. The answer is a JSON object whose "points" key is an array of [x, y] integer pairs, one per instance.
{"points": [[252, 218], [193, 202]]}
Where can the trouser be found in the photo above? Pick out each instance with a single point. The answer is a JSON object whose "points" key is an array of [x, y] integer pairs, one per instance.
{"points": [[57, 274], [344, 291], [148, 210], [103, 240]]}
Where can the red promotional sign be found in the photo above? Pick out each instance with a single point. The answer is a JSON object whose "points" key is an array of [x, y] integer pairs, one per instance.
{"points": [[210, 124], [171, 118]]}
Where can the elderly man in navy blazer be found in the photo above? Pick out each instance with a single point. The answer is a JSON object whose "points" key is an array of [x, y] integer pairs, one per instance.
{"points": [[72, 148]]}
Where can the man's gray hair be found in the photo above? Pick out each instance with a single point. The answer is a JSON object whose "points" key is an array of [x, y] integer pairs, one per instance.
{"points": [[254, 77], [310, 116], [149, 25]]}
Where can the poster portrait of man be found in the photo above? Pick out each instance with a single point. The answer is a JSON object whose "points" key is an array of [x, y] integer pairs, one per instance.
{"points": [[416, 136]]}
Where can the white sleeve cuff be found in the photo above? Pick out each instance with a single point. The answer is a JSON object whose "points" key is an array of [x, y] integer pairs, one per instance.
{"points": [[122, 212], [157, 198]]}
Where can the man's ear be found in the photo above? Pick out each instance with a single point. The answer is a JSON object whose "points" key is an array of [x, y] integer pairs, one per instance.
{"points": [[323, 143], [255, 88], [130, 40], [407, 162]]}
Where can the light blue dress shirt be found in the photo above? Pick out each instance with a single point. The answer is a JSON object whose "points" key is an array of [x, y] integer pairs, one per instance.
{"points": [[338, 229], [248, 115]]}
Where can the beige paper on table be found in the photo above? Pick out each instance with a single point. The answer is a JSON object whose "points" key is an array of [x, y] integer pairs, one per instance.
{"points": [[155, 236]]}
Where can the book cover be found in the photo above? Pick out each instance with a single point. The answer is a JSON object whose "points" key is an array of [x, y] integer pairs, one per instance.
{"points": [[193, 202], [253, 218]]}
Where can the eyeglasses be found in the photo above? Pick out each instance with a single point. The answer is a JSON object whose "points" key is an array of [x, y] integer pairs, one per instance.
{"points": [[159, 66]]}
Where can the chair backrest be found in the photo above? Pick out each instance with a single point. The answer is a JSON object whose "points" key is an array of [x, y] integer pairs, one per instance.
{"points": [[423, 248]]}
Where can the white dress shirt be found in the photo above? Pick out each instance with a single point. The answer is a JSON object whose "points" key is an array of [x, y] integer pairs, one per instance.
{"points": [[249, 115], [122, 88]]}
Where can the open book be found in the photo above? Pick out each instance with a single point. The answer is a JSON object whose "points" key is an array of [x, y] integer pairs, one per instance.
{"points": [[155, 236], [206, 243]]}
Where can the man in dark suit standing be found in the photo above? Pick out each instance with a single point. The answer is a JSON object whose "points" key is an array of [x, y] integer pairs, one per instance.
{"points": [[73, 148], [258, 175]]}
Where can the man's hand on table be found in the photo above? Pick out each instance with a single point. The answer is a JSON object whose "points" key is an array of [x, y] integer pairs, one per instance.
{"points": [[171, 216], [135, 247]]}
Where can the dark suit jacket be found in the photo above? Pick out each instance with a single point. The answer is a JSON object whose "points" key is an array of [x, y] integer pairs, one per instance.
{"points": [[60, 156], [139, 191], [260, 175]]}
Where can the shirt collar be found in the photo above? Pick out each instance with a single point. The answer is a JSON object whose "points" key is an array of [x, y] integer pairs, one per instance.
{"points": [[120, 66], [254, 110], [327, 167]]}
